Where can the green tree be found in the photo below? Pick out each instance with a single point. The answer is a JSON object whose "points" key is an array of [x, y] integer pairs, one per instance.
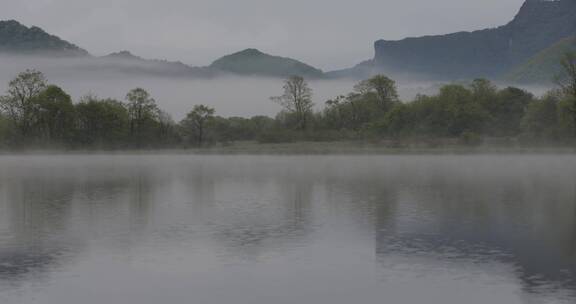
{"points": [[297, 100], [101, 123], [19, 103], [483, 90], [431, 117], [508, 110], [167, 131], [54, 115], [485, 93], [566, 123], [5, 129], [194, 125], [352, 112], [567, 81], [398, 121], [465, 115], [382, 89], [449, 114], [541, 119], [143, 114], [239, 128], [260, 123]]}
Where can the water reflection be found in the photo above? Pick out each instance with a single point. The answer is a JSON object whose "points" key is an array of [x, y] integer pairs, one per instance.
{"points": [[464, 221], [522, 220]]}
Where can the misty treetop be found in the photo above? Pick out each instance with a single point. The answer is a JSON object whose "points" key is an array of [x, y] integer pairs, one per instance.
{"points": [[297, 100], [34, 113]]}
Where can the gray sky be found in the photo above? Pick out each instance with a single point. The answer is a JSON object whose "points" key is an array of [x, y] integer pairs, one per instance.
{"points": [[329, 34]]}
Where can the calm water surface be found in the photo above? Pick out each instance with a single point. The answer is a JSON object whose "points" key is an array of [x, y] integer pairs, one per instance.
{"points": [[148, 229]]}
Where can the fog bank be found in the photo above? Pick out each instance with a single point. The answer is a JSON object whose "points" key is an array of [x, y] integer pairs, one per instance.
{"points": [[229, 95]]}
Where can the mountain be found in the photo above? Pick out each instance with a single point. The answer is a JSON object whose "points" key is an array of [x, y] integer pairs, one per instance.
{"points": [[127, 63], [123, 55], [544, 66], [19, 39], [362, 70], [484, 53], [252, 62]]}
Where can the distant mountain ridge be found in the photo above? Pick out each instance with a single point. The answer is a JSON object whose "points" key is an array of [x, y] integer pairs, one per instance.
{"points": [[518, 51], [128, 63], [255, 63], [17, 38]]}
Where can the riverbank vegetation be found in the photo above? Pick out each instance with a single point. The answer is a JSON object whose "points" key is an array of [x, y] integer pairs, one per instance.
{"points": [[34, 113]]}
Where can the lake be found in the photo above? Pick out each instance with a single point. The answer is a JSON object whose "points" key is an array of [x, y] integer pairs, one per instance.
{"points": [[280, 229]]}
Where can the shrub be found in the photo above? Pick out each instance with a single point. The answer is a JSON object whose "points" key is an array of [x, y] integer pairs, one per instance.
{"points": [[470, 139]]}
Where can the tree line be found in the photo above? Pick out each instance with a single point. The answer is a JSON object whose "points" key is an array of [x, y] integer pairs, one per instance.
{"points": [[34, 113]]}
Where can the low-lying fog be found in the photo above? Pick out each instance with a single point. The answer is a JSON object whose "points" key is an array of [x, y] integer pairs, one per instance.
{"points": [[229, 95]]}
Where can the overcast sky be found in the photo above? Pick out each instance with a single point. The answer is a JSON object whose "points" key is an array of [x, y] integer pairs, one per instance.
{"points": [[329, 34]]}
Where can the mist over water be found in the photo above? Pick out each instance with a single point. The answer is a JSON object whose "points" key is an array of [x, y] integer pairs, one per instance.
{"points": [[136, 229], [450, 199]]}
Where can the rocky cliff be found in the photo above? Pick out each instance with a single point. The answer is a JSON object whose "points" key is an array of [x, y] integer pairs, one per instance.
{"points": [[483, 53]]}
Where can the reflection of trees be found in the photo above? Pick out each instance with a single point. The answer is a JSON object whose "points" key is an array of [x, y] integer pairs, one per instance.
{"points": [[371, 202], [296, 205], [200, 189], [409, 209], [522, 222], [140, 190], [33, 260], [37, 206], [251, 228], [572, 241], [37, 210], [49, 215]]}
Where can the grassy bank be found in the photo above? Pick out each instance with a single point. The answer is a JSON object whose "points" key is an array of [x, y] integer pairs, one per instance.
{"points": [[319, 148], [363, 147]]}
